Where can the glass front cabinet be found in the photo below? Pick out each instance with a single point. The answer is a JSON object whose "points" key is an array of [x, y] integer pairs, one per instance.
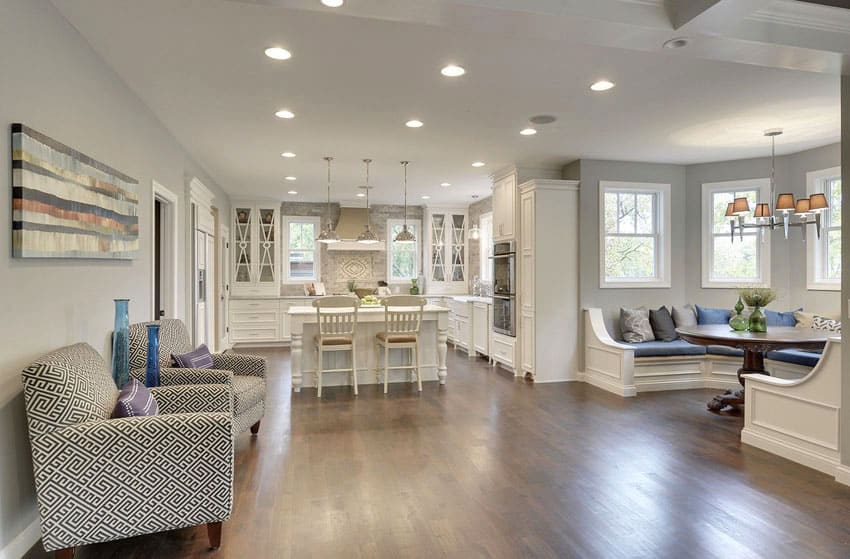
{"points": [[255, 248], [446, 250]]}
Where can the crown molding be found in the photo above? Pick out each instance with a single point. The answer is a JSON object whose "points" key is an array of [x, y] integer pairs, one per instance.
{"points": [[809, 16]]}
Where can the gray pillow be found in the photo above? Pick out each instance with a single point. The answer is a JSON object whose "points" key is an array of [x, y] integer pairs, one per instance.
{"points": [[663, 325], [635, 327], [685, 316]]}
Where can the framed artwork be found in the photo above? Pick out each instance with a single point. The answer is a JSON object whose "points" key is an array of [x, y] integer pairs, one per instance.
{"points": [[66, 204]]}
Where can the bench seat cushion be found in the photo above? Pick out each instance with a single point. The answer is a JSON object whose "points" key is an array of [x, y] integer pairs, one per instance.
{"points": [[725, 350], [795, 356], [666, 349]]}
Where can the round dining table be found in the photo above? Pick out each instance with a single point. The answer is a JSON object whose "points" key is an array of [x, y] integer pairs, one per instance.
{"points": [[754, 345]]}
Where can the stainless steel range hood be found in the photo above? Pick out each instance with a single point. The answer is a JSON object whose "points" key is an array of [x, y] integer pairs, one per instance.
{"points": [[352, 222]]}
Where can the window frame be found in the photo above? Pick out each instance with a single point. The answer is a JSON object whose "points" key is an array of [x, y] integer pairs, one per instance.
{"points": [[663, 220], [485, 249], [317, 269], [417, 231], [817, 248], [762, 186]]}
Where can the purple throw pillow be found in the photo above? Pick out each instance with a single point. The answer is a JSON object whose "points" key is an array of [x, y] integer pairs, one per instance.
{"points": [[135, 400], [201, 358]]}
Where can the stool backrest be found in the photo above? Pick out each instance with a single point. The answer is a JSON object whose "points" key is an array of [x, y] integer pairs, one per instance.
{"points": [[403, 314], [336, 316]]}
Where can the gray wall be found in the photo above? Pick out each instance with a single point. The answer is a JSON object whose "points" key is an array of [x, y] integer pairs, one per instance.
{"points": [[53, 82]]}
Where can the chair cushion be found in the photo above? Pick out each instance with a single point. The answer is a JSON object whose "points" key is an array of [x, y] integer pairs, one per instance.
{"points": [[666, 349], [135, 400], [663, 325], [724, 350], [247, 392], [775, 318], [823, 323], [795, 356], [396, 338], [334, 340], [634, 325], [685, 316], [712, 316], [200, 358]]}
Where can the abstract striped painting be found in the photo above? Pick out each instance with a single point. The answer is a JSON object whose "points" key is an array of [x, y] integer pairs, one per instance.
{"points": [[67, 205]]}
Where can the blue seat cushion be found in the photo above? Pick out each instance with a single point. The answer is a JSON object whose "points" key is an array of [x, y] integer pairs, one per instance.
{"points": [[775, 318], [658, 348], [725, 350], [795, 356], [712, 316]]}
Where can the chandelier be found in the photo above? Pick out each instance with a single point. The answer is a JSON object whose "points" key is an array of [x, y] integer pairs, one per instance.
{"points": [[405, 235], [789, 213], [367, 237], [328, 235]]}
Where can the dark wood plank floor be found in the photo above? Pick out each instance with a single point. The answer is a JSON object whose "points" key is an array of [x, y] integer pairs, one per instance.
{"points": [[492, 467]]}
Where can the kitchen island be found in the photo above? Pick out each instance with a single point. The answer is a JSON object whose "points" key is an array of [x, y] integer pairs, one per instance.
{"points": [[370, 321]]}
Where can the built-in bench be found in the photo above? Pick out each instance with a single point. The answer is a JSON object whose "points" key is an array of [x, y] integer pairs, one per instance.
{"points": [[627, 369]]}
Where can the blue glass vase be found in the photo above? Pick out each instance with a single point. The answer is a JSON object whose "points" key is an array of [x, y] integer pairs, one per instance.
{"points": [[152, 370], [121, 343]]}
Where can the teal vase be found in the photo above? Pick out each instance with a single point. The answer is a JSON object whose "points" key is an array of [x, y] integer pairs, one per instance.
{"points": [[121, 344], [758, 322], [152, 369], [739, 322]]}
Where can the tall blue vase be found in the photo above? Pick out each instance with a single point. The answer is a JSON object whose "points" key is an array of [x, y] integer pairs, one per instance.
{"points": [[121, 343], [152, 370]]}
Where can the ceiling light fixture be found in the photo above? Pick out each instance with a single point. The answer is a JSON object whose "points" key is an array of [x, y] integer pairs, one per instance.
{"points": [[676, 43], [478, 164], [426, 197], [278, 53], [328, 234], [333, 3], [361, 195], [292, 192], [291, 178], [287, 154], [453, 71], [367, 237], [414, 123], [284, 113], [602, 85], [528, 131], [445, 184], [405, 236]]}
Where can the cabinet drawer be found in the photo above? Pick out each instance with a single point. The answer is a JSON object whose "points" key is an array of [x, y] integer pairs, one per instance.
{"points": [[254, 317], [254, 304], [503, 351], [269, 334]]}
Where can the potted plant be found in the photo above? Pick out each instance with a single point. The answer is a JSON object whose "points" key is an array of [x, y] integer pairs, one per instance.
{"points": [[351, 286], [756, 298]]}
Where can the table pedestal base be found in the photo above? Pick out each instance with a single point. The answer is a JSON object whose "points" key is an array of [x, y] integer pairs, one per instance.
{"points": [[753, 364]]}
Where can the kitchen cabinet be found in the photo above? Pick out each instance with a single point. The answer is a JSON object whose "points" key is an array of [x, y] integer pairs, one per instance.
{"points": [[502, 350], [254, 320], [446, 250], [482, 323], [255, 249], [505, 207]]}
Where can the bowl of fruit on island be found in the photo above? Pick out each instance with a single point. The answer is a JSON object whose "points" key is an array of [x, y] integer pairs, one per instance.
{"points": [[370, 301]]}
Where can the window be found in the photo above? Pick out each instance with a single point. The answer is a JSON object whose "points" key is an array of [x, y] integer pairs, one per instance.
{"points": [[301, 254], [403, 259], [824, 255], [728, 263], [485, 244], [635, 241]]}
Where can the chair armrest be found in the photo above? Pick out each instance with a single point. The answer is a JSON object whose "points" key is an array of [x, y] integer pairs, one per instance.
{"points": [[241, 364], [193, 398], [173, 376]]}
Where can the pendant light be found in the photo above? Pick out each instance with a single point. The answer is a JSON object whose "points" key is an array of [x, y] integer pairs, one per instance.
{"points": [[367, 237], [405, 235], [328, 234]]}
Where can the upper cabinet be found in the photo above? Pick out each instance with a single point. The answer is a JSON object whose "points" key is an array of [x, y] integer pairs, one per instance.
{"points": [[446, 250], [256, 249], [504, 207]]}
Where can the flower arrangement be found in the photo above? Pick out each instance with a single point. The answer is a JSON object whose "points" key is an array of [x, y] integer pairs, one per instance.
{"points": [[757, 296]]}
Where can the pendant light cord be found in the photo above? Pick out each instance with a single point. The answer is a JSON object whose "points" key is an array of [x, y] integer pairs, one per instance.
{"points": [[329, 159], [368, 188], [404, 164]]}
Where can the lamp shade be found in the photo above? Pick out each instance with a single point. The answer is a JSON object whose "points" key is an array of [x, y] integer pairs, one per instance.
{"points": [[785, 201], [730, 210], [762, 210], [405, 236], [818, 202], [803, 206], [741, 206]]}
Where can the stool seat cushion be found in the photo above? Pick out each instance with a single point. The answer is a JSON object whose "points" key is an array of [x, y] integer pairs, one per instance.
{"points": [[334, 340], [396, 338]]}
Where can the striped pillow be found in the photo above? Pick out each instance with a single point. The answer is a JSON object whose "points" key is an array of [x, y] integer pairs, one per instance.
{"points": [[201, 358], [135, 400]]}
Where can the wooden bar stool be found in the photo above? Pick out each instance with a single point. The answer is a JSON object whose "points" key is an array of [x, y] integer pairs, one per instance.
{"points": [[402, 323], [336, 319]]}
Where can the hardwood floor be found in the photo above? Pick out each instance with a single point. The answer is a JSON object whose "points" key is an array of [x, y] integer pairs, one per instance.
{"points": [[492, 467]]}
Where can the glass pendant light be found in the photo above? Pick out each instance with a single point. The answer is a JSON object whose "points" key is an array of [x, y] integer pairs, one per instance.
{"points": [[405, 235], [367, 237], [328, 234]]}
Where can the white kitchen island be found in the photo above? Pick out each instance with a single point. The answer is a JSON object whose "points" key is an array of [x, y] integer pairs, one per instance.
{"points": [[370, 321]]}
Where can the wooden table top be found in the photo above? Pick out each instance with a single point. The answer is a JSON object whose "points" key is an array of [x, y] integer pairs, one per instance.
{"points": [[775, 337]]}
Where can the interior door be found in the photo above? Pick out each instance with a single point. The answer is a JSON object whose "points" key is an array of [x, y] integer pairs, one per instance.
{"points": [[224, 294], [201, 289]]}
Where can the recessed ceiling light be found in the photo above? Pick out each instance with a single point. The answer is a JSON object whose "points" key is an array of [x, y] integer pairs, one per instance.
{"points": [[361, 195], [414, 123], [333, 3], [284, 113], [278, 53], [602, 85], [453, 71], [528, 131], [290, 178], [445, 184], [478, 164], [676, 43], [292, 192], [287, 154], [426, 197]]}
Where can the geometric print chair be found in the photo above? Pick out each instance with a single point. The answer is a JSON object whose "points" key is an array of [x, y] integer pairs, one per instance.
{"points": [[99, 479], [245, 374]]}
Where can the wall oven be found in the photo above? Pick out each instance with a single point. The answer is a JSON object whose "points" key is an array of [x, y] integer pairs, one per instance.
{"points": [[504, 288]]}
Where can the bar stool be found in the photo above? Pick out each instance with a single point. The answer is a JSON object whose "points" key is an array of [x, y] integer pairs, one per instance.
{"points": [[336, 320], [402, 323]]}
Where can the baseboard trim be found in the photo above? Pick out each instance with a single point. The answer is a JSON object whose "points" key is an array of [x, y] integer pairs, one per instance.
{"points": [[790, 452], [842, 474], [600, 382], [659, 385], [22, 543]]}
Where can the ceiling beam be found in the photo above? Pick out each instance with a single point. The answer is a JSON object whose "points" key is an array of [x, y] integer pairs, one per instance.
{"points": [[710, 17]]}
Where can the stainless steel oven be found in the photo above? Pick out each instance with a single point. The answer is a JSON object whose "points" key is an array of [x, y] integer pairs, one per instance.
{"points": [[504, 288]]}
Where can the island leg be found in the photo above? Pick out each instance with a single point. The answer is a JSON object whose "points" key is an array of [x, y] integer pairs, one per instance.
{"points": [[297, 374], [442, 348]]}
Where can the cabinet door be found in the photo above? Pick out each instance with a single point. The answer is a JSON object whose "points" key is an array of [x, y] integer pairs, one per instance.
{"points": [[268, 230], [243, 262], [447, 251], [504, 208], [527, 344], [481, 328]]}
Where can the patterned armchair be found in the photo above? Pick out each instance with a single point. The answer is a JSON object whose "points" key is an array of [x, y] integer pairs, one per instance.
{"points": [[246, 374], [99, 479]]}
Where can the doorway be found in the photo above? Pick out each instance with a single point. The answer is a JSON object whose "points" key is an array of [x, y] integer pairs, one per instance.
{"points": [[164, 253]]}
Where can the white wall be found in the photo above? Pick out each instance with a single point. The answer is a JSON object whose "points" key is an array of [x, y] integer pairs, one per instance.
{"points": [[53, 82]]}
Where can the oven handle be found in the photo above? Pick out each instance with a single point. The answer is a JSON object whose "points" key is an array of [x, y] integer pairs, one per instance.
{"points": [[504, 297], [505, 255]]}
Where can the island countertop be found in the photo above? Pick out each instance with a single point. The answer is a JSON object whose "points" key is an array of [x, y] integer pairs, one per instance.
{"points": [[368, 309]]}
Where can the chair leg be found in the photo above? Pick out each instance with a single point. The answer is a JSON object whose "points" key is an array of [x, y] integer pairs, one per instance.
{"points": [[214, 534], [411, 371], [418, 367], [354, 365], [386, 367], [67, 553], [319, 370], [255, 428]]}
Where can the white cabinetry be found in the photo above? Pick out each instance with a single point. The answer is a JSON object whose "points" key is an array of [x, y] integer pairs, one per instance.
{"points": [[285, 319], [502, 349], [548, 280], [446, 250], [504, 207], [254, 320], [256, 249], [482, 322]]}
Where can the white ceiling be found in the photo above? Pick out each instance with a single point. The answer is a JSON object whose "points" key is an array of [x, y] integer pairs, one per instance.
{"points": [[357, 74]]}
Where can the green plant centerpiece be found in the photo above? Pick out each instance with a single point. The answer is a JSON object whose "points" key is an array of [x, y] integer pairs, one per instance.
{"points": [[414, 287], [351, 286], [739, 322], [756, 298]]}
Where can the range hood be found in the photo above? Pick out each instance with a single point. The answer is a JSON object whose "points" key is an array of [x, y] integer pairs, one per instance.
{"points": [[352, 222]]}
